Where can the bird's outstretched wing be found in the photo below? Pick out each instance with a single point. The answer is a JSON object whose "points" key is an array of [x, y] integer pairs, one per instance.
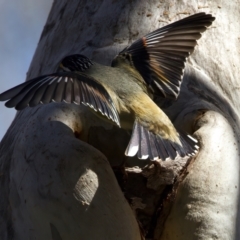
{"points": [[58, 87], [160, 56], [146, 144]]}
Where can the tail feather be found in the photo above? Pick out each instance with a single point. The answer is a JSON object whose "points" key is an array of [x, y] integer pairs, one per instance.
{"points": [[162, 153], [152, 142], [181, 150], [133, 145], [144, 143], [169, 148], [148, 145], [190, 144]]}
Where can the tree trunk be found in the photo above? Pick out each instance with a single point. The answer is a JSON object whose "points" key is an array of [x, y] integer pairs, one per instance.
{"points": [[56, 160]]}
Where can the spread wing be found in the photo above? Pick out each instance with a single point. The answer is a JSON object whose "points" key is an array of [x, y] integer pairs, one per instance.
{"points": [[160, 56], [58, 87]]}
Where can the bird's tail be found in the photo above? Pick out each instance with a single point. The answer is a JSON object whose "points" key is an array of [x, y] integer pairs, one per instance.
{"points": [[148, 145]]}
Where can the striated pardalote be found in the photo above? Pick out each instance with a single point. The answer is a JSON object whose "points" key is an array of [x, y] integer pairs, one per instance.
{"points": [[122, 93]]}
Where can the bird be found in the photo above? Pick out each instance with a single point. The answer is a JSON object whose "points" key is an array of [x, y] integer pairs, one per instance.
{"points": [[123, 93]]}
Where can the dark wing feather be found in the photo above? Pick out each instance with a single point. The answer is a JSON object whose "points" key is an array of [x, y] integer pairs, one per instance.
{"points": [[65, 86], [160, 56], [50, 89]]}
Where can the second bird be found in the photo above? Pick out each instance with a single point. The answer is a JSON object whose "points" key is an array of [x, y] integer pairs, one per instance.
{"points": [[122, 93]]}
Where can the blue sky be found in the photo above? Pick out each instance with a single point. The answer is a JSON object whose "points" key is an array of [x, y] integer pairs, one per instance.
{"points": [[21, 24]]}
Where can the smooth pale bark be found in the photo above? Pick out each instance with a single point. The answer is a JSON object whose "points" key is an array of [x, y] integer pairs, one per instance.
{"points": [[56, 186], [204, 205], [59, 186]]}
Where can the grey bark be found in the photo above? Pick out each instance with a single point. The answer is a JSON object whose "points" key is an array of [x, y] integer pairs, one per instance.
{"points": [[55, 184]]}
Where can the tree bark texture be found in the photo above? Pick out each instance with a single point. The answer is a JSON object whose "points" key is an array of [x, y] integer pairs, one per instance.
{"points": [[56, 160]]}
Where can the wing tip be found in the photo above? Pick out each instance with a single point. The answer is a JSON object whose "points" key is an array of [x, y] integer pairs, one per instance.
{"points": [[156, 61]]}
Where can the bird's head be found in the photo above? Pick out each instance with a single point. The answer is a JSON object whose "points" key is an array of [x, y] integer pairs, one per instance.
{"points": [[75, 63]]}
